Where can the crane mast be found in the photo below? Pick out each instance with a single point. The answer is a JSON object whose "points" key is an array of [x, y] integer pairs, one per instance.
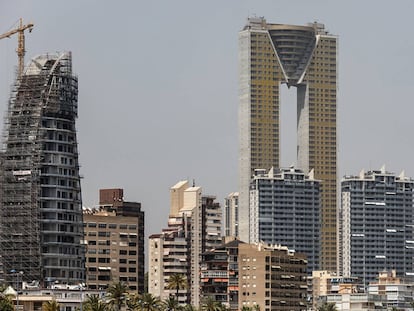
{"points": [[21, 46]]}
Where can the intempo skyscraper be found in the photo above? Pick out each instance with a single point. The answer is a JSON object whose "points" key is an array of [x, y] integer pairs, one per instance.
{"points": [[303, 57], [40, 213]]}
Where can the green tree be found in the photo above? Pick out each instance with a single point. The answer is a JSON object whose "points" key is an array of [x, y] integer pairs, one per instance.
{"points": [[327, 306], [133, 302], [148, 302], [94, 303], [171, 304], [210, 304], [117, 295], [177, 281], [6, 304], [51, 305]]}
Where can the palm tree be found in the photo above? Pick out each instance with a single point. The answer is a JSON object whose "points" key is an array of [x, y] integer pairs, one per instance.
{"points": [[256, 308], [132, 302], [177, 281], [246, 308], [51, 305], [117, 295], [93, 303], [327, 306], [189, 307], [210, 304], [171, 304], [148, 302]]}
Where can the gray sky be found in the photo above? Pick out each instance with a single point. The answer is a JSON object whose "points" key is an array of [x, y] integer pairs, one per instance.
{"points": [[158, 88]]}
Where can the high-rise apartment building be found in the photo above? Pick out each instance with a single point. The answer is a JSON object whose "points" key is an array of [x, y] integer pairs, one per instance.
{"points": [[41, 211], [271, 277], [304, 57], [194, 226], [376, 231], [284, 210], [114, 234], [231, 215]]}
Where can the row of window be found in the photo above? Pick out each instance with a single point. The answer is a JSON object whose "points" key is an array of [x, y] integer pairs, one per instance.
{"points": [[110, 226]]}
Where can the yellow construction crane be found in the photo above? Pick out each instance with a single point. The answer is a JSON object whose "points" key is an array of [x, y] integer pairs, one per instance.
{"points": [[20, 48]]}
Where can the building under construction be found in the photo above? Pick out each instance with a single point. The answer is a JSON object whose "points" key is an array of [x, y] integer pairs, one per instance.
{"points": [[41, 212]]}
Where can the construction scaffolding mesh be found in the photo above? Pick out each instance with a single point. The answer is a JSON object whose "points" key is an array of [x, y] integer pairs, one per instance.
{"points": [[40, 212]]}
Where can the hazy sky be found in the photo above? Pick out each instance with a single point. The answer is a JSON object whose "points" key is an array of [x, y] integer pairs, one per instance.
{"points": [[158, 91]]}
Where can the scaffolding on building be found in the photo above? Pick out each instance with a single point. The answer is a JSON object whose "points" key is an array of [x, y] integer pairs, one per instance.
{"points": [[33, 174]]}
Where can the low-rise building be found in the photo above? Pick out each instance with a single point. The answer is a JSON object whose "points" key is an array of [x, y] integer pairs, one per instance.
{"points": [[398, 294], [325, 283]]}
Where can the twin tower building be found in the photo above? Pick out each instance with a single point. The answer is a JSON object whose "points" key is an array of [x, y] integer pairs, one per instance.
{"points": [[303, 58]]}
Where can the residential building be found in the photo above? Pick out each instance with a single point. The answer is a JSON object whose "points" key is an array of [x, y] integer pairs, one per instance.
{"points": [[41, 208], [220, 274], [397, 292], [355, 302], [285, 210], [376, 231], [194, 226], [271, 277], [304, 57], [231, 215], [388, 292], [114, 234], [326, 283], [69, 298]]}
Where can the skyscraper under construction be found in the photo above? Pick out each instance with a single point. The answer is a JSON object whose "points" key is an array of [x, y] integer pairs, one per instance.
{"points": [[41, 212], [304, 57]]}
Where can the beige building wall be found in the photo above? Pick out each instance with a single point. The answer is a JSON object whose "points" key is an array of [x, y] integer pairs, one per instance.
{"points": [[112, 249], [155, 265], [177, 197], [271, 277]]}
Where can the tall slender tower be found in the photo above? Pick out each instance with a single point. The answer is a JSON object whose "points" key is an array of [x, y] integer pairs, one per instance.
{"points": [[41, 214], [304, 57]]}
